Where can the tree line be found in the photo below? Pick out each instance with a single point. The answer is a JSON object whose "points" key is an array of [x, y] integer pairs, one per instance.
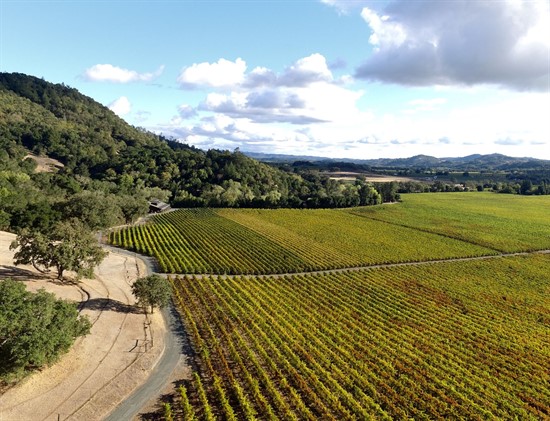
{"points": [[101, 152]]}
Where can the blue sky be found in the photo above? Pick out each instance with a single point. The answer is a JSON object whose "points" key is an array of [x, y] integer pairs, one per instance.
{"points": [[362, 79]]}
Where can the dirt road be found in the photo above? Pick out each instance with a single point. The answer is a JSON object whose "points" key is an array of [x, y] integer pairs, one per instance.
{"points": [[103, 368]]}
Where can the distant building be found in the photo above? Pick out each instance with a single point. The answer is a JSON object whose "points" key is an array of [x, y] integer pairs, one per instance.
{"points": [[157, 206]]}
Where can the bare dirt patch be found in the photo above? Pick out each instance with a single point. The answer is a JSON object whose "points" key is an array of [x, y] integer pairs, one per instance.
{"points": [[101, 369], [45, 164]]}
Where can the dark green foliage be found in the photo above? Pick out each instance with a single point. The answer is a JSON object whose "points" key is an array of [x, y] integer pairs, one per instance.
{"points": [[67, 246], [94, 209], [132, 207], [152, 291], [102, 152], [35, 328]]}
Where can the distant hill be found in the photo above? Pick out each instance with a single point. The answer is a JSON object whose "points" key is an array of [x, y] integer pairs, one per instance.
{"points": [[467, 163]]}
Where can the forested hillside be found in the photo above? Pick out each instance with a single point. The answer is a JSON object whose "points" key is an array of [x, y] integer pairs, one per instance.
{"points": [[103, 156]]}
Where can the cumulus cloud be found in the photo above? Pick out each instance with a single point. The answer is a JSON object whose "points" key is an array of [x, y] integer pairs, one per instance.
{"points": [[505, 43], [120, 106], [302, 73], [426, 104], [306, 71], [110, 73], [226, 74], [266, 106], [304, 92], [221, 131], [186, 111], [305, 109], [514, 123], [223, 73]]}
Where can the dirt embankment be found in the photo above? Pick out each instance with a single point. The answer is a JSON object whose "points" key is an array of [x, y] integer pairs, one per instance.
{"points": [[104, 367]]}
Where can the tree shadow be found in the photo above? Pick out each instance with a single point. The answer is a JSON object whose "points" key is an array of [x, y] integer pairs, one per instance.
{"points": [[19, 274], [157, 414], [107, 304]]}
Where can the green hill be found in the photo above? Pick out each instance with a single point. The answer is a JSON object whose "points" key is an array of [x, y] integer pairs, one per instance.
{"points": [[100, 152]]}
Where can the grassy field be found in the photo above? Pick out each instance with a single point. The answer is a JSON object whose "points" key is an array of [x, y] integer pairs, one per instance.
{"points": [[450, 340], [507, 223], [424, 227]]}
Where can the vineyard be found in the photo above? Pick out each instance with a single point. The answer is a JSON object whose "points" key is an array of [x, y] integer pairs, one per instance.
{"points": [[433, 340], [506, 223], [452, 340], [266, 241]]}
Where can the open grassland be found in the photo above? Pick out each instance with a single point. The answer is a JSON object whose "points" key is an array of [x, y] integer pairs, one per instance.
{"points": [[422, 228], [451, 340], [507, 223]]}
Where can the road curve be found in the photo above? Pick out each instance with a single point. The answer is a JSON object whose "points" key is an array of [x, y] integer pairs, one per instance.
{"points": [[173, 340], [132, 405]]}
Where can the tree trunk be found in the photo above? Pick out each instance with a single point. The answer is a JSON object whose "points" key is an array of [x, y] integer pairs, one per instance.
{"points": [[34, 265]]}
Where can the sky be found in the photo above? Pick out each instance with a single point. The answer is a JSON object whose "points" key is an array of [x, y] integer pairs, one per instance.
{"points": [[334, 78]]}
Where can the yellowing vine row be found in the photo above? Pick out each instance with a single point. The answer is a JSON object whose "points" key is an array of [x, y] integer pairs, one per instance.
{"points": [[455, 340], [229, 241]]}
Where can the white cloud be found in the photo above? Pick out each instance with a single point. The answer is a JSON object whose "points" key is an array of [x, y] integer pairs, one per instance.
{"points": [[120, 106], [223, 73], [305, 110], [305, 92], [425, 104], [186, 111], [385, 33], [505, 43], [303, 72], [227, 74], [110, 73], [264, 105], [344, 6], [514, 124], [306, 71]]}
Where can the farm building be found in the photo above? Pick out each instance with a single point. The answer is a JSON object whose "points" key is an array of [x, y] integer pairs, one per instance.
{"points": [[157, 206]]}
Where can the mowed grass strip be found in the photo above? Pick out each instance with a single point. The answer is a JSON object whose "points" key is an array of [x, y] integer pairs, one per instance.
{"points": [[331, 238], [452, 340], [508, 223]]}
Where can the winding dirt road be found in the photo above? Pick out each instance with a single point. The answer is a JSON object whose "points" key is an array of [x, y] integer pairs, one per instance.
{"points": [[103, 368]]}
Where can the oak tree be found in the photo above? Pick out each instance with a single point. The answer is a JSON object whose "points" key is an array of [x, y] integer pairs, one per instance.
{"points": [[69, 246], [152, 291]]}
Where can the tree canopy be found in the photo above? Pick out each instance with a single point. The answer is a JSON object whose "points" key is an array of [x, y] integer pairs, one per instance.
{"points": [[68, 246], [152, 291], [105, 158], [35, 329]]}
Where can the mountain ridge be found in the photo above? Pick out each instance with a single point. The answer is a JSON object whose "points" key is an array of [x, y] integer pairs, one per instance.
{"points": [[484, 161]]}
